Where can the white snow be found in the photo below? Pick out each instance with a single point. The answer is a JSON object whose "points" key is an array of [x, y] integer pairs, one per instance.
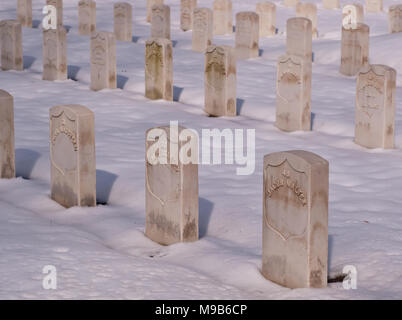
{"points": [[102, 252]]}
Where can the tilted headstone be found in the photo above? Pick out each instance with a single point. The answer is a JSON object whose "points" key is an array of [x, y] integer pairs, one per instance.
{"points": [[220, 81], [354, 49], [223, 17], [293, 93], [247, 35], [86, 17], [160, 27], [374, 6], [150, 4], [358, 13], [308, 10], [267, 13], [103, 61], [299, 38], [7, 153], [11, 45], [123, 21], [395, 18], [58, 4], [171, 185], [54, 54], [202, 29], [295, 219], [159, 69], [331, 4], [72, 156], [186, 14], [290, 3], [24, 13], [375, 107]]}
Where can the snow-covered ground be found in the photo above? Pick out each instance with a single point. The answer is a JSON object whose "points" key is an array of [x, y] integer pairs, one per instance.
{"points": [[102, 252]]}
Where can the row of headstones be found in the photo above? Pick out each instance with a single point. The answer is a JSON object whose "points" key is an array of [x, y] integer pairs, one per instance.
{"points": [[375, 112], [295, 190], [375, 95]]}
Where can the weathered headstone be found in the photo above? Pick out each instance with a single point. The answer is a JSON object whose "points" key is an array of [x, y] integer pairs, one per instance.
{"points": [[160, 22], [123, 21], [247, 35], [308, 10], [358, 10], [220, 81], [355, 49], [24, 13], [295, 219], [159, 69], [11, 45], [331, 4], [58, 4], [171, 185], [103, 61], [290, 3], [150, 4], [223, 17], [86, 17], [186, 14], [375, 107], [299, 38], [54, 54], [202, 29], [72, 156], [293, 93], [395, 18], [7, 153], [267, 13], [374, 6]]}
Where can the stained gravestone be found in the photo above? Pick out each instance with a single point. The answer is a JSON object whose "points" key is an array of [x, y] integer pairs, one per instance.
{"points": [[331, 4], [354, 49], [103, 61], [308, 10], [86, 17], [395, 18], [375, 107], [290, 3], [72, 156], [160, 22], [202, 29], [186, 14], [24, 13], [293, 93], [7, 153], [374, 6], [171, 185], [223, 17], [220, 81], [58, 4], [247, 35], [295, 219], [150, 4], [358, 13], [54, 54], [123, 21], [299, 38], [11, 45], [159, 69], [267, 13]]}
